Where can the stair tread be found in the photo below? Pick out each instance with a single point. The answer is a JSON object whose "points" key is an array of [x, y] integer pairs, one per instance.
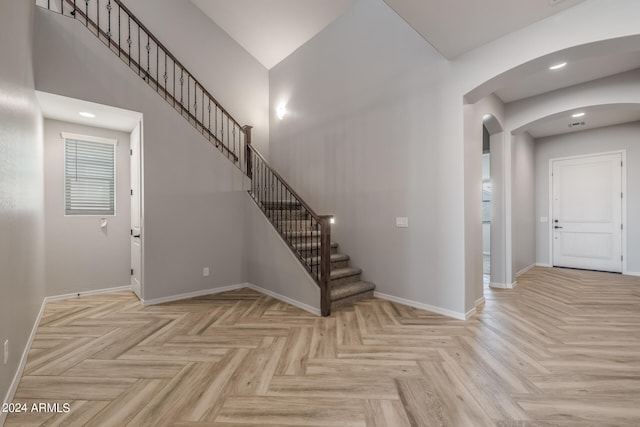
{"points": [[350, 289], [339, 273]]}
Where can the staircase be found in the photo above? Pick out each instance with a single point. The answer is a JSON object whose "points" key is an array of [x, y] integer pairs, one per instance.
{"points": [[296, 226], [307, 233]]}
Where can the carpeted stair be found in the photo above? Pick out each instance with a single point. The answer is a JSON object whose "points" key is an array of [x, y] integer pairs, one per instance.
{"points": [[297, 229]]}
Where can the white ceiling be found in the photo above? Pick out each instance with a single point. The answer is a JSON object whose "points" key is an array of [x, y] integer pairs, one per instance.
{"points": [[65, 109], [454, 27], [270, 30], [595, 117]]}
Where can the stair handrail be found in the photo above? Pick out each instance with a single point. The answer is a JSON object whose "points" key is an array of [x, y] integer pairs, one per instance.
{"points": [[202, 98], [262, 174]]}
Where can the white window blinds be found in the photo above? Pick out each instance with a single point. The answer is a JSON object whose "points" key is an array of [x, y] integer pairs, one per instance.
{"points": [[89, 170]]}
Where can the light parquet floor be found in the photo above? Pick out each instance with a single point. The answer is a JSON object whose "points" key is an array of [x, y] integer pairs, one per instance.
{"points": [[562, 349]]}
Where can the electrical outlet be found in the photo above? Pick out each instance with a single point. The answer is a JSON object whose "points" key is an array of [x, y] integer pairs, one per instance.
{"points": [[205, 272], [6, 351], [402, 222]]}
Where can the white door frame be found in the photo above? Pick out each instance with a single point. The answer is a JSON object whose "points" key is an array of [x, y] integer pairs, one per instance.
{"points": [[624, 201], [140, 165]]}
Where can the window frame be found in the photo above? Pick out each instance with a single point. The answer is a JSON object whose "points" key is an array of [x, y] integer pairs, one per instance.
{"points": [[89, 139]]}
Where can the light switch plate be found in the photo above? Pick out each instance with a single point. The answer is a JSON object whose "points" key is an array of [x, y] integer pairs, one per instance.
{"points": [[402, 222], [544, 219]]}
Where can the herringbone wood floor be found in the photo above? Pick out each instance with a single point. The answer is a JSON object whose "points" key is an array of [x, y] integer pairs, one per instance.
{"points": [[563, 348]]}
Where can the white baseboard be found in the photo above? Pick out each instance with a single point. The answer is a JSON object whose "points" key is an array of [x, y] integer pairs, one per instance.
{"points": [[479, 301], [632, 273], [427, 307], [542, 264], [503, 285], [295, 303], [194, 294], [87, 293], [524, 270], [23, 361]]}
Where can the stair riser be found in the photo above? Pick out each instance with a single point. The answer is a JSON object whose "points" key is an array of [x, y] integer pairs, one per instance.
{"points": [[344, 280], [302, 239], [286, 225], [288, 214], [338, 264], [352, 299], [307, 253], [281, 205]]}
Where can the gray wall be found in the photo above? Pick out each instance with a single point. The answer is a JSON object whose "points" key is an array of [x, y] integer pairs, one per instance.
{"points": [[21, 188], [613, 138], [523, 212], [359, 143], [80, 256], [270, 263], [191, 220]]}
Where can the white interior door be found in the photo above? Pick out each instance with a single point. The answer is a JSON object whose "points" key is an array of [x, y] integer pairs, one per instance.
{"points": [[587, 212], [136, 213]]}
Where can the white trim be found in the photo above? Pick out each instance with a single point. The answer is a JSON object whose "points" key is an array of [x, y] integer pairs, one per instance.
{"points": [[427, 307], [23, 361], [503, 285], [87, 293], [542, 264], [524, 270], [479, 301], [295, 303], [172, 298], [632, 273], [88, 138]]}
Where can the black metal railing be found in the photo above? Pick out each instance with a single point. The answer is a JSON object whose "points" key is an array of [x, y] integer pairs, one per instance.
{"points": [[307, 233], [114, 24]]}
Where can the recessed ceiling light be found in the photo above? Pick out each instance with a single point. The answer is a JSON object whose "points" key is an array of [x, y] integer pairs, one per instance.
{"points": [[577, 115], [558, 66], [86, 114]]}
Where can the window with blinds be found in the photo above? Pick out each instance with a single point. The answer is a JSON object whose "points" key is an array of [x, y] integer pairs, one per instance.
{"points": [[89, 177]]}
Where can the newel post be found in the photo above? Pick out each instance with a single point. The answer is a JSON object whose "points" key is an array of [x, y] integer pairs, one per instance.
{"points": [[247, 147], [325, 265]]}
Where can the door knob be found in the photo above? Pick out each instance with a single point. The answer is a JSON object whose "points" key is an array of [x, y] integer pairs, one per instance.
{"points": [[555, 226]]}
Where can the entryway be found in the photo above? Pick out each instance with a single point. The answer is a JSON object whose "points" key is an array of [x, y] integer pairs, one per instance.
{"points": [[587, 198]]}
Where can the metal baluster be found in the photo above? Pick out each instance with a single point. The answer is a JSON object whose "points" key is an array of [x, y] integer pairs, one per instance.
{"points": [[165, 76], [119, 32], [139, 61], [222, 131], [234, 139], [188, 97], [98, 19], [129, 41], [62, 7], [157, 69], [86, 13], [209, 124], [109, 26], [174, 83], [216, 125], [148, 57], [181, 87], [202, 121]]}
